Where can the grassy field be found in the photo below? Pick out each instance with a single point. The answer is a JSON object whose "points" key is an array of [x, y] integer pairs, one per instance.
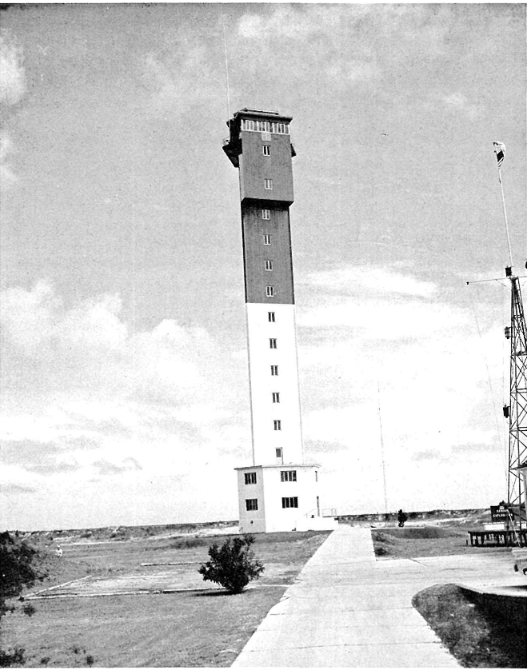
{"points": [[431, 541], [475, 636], [193, 628]]}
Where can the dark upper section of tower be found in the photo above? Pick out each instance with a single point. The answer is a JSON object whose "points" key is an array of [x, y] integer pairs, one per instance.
{"points": [[260, 146]]}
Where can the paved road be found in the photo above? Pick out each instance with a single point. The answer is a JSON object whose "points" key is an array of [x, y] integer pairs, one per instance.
{"points": [[348, 609]]}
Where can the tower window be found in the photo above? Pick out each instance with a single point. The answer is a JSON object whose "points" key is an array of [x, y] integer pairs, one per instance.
{"points": [[276, 400], [288, 476], [250, 478], [270, 316], [251, 504], [266, 214], [269, 291], [268, 184], [267, 149], [272, 343], [278, 452], [274, 370], [289, 502], [269, 265], [277, 424], [267, 240], [316, 477]]}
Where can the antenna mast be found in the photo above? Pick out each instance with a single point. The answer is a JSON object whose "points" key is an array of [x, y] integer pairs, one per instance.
{"points": [[516, 411]]}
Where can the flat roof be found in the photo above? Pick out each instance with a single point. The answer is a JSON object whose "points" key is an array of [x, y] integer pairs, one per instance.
{"points": [[255, 113], [278, 466]]}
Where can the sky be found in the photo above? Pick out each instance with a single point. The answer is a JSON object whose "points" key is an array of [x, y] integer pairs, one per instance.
{"points": [[124, 377]]}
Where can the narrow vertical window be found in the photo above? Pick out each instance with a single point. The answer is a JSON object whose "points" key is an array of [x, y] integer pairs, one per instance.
{"points": [[266, 149], [276, 398], [272, 343], [278, 452], [267, 240], [268, 184], [266, 214], [271, 316], [269, 291], [277, 424], [269, 265], [274, 370]]}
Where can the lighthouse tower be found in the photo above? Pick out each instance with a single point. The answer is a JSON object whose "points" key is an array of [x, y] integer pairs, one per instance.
{"points": [[279, 491]]}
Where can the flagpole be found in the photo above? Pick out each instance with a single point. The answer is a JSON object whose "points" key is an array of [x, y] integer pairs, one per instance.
{"points": [[502, 148]]}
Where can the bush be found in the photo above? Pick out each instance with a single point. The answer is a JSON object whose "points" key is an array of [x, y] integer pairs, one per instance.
{"points": [[232, 565]]}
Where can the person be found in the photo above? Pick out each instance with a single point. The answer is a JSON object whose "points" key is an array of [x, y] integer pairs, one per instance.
{"points": [[58, 552], [401, 517]]}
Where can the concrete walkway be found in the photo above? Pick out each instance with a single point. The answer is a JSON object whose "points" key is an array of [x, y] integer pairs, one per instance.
{"points": [[349, 610]]}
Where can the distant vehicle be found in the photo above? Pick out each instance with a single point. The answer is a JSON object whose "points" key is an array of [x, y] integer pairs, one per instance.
{"points": [[519, 555]]}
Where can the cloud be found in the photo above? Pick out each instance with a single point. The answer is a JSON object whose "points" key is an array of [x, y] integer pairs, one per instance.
{"points": [[12, 74], [14, 489], [84, 394], [106, 468], [289, 22], [459, 102], [8, 178], [379, 280], [182, 80]]}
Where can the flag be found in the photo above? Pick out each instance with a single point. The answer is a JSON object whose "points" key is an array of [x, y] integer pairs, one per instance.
{"points": [[499, 150]]}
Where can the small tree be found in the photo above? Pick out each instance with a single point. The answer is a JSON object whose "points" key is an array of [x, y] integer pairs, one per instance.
{"points": [[233, 565], [18, 569]]}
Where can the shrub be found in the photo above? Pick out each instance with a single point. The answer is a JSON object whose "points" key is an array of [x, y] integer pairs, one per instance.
{"points": [[233, 565]]}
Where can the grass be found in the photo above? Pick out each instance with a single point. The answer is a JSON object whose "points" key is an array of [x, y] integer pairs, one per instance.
{"points": [[412, 542], [474, 636], [207, 628]]}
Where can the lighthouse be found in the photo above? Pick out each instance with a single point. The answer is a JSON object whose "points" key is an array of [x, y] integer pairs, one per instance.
{"points": [[278, 491]]}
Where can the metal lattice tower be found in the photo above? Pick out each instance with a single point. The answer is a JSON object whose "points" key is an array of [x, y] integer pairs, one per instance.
{"points": [[518, 401]]}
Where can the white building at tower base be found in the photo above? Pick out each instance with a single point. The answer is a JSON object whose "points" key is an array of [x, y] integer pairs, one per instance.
{"points": [[280, 498]]}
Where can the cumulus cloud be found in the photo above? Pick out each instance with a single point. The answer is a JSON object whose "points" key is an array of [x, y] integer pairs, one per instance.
{"points": [[179, 81], [12, 74], [12, 89], [459, 102], [84, 394], [8, 177]]}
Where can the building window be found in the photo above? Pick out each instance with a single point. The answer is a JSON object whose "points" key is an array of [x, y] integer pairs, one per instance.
{"points": [[250, 478], [269, 291], [267, 149], [270, 316], [276, 398], [268, 184], [272, 343], [267, 240], [277, 424], [251, 504], [278, 452], [269, 265], [316, 477], [288, 476], [274, 370], [289, 502], [266, 214]]}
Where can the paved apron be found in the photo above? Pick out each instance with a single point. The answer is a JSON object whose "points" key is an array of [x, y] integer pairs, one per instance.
{"points": [[349, 610]]}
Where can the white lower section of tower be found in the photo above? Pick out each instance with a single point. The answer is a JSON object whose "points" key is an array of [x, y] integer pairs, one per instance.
{"points": [[273, 373]]}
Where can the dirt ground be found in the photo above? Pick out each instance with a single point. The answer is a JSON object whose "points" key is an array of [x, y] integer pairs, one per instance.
{"points": [[141, 602]]}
